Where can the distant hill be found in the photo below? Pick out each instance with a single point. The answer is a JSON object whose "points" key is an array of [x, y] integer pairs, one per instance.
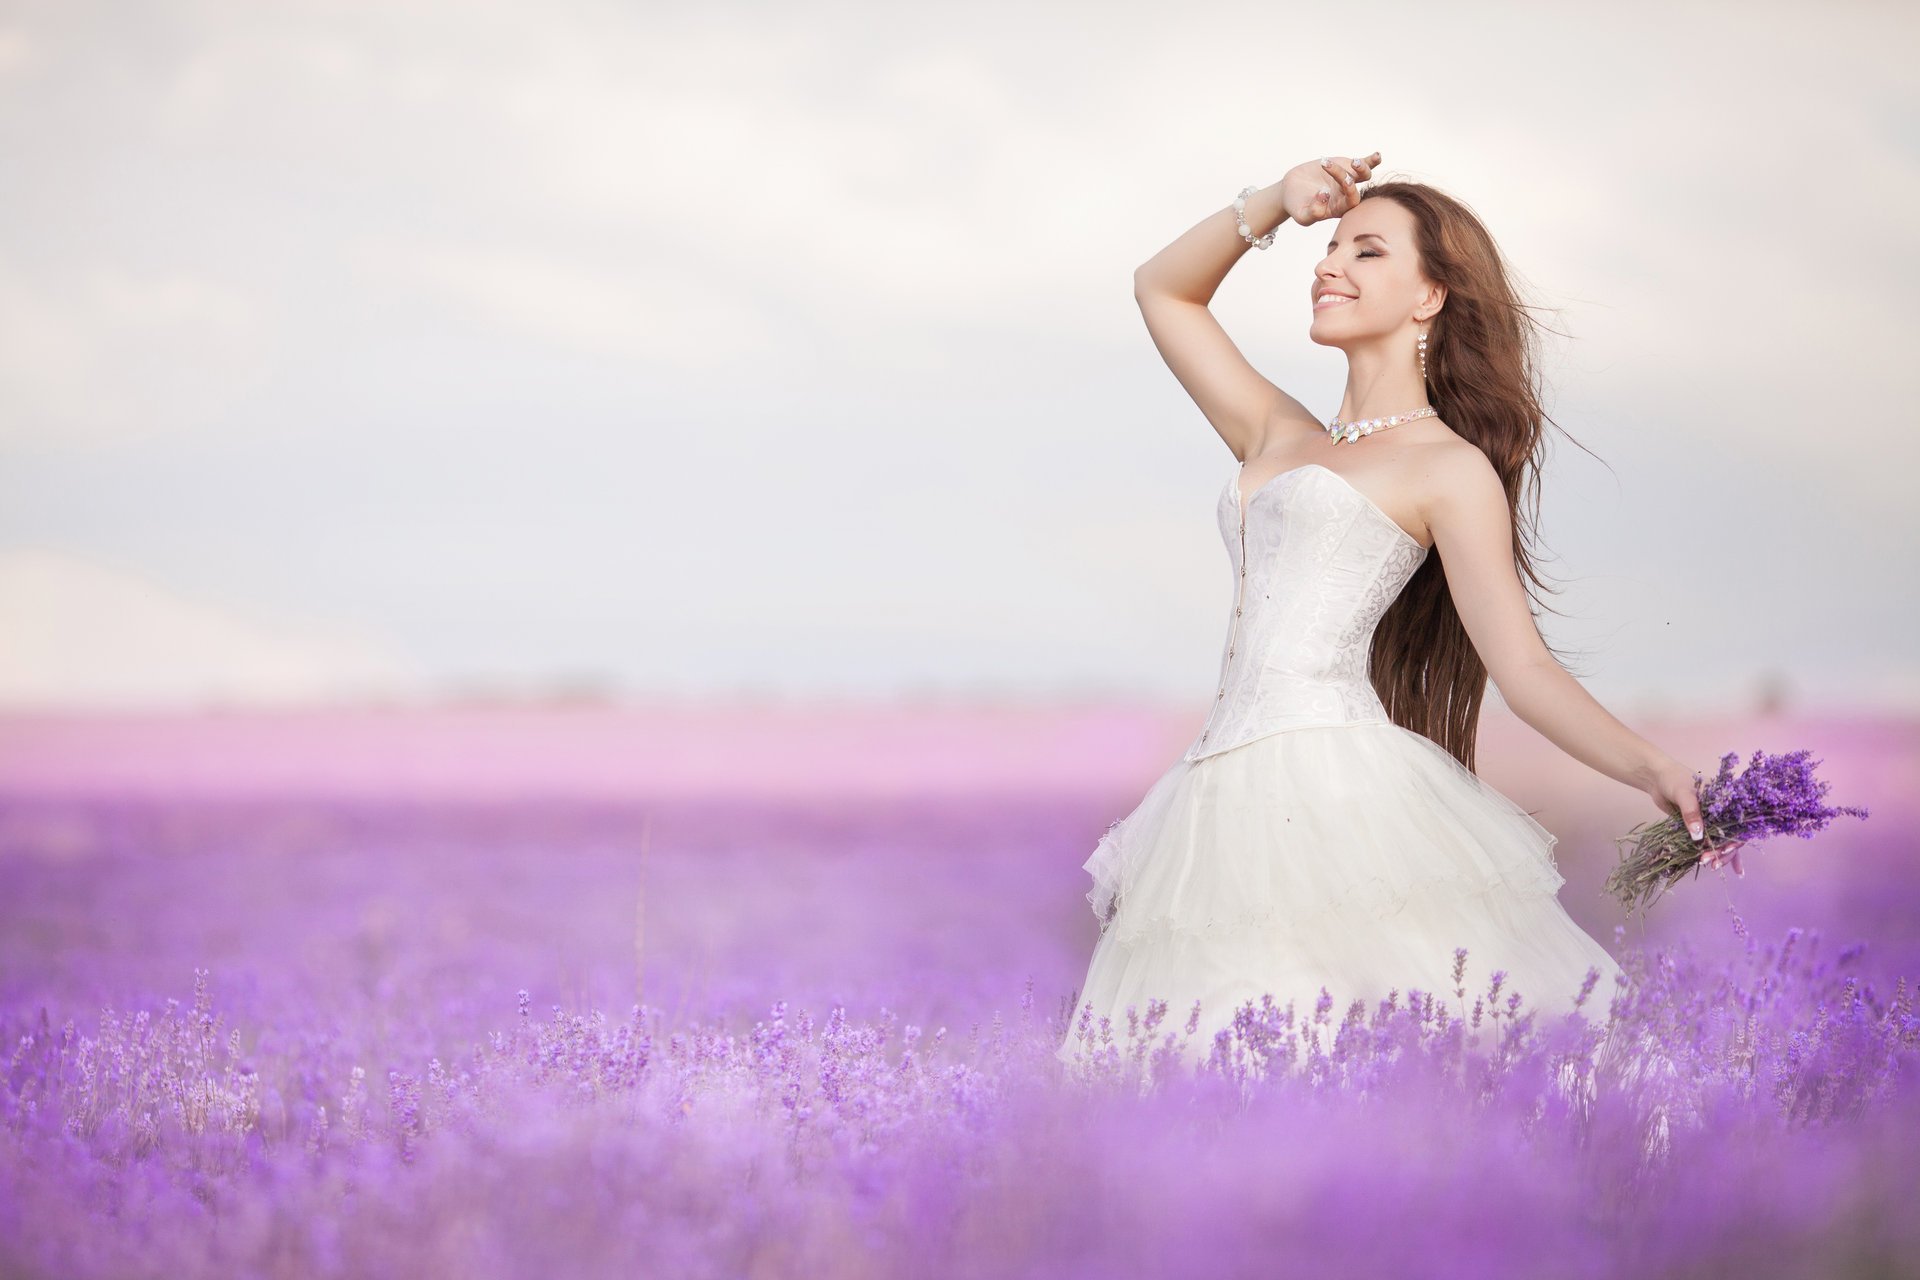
{"points": [[76, 633]]}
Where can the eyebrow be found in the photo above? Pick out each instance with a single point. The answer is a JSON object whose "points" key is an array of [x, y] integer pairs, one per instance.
{"points": [[1364, 235]]}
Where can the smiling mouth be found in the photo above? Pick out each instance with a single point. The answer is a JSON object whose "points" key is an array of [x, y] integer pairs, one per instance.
{"points": [[1330, 300]]}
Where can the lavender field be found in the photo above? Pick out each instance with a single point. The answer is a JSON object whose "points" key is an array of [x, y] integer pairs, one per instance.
{"points": [[756, 994]]}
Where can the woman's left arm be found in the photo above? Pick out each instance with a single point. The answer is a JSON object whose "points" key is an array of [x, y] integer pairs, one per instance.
{"points": [[1472, 526]]}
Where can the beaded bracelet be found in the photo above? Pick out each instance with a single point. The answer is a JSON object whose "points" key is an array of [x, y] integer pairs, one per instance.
{"points": [[1240, 216]]}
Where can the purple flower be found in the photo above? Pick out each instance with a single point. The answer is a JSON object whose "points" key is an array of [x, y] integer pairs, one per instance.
{"points": [[1773, 796]]}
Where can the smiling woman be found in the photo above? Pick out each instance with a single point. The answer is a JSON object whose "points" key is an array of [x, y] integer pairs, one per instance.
{"points": [[1325, 836]]}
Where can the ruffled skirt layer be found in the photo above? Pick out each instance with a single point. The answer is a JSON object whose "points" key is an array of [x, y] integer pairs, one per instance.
{"points": [[1354, 858]]}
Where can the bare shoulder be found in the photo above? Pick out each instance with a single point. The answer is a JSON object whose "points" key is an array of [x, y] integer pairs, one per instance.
{"points": [[1459, 463], [1461, 486]]}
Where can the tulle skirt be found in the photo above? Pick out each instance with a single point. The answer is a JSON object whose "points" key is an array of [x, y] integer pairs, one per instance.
{"points": [[1354, 858]]}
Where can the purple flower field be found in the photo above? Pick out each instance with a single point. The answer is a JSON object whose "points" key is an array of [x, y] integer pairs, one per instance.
{"points": [[383, 1025]]}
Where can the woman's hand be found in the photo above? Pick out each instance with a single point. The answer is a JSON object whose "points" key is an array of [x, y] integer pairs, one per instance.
{"points": [[1676, 789], [1324, 188]]}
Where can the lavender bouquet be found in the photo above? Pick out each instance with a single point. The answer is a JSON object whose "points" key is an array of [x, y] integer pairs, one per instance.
{"points": [[1773, 796]]}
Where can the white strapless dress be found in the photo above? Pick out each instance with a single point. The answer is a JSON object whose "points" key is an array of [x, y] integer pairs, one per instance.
{"points": [[1304, 840]]}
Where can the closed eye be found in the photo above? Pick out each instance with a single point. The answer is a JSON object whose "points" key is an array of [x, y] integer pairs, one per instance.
{"points": [[1369, 253]]}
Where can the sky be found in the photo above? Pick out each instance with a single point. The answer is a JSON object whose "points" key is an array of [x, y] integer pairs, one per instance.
{"points": [[789, 351]]}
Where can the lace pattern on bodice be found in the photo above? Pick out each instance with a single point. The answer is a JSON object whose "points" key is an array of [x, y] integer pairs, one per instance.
{"points": [[1315, 565]]}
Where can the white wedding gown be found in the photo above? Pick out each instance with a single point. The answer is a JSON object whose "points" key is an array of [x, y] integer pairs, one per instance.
{"points": [[1305, 840]]}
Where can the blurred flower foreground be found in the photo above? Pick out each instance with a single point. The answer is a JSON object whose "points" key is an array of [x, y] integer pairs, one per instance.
{"points": [[468, 1026], [1759, 1114]]}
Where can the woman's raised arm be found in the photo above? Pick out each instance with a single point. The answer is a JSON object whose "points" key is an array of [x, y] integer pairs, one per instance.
{"points": [[1174, 287]]}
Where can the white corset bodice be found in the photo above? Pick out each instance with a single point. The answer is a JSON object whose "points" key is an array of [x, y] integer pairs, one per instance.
{"points": [[1315, 564]]}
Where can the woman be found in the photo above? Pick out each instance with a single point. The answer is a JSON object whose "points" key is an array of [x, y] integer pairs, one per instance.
{"points": [[1326, 830]]}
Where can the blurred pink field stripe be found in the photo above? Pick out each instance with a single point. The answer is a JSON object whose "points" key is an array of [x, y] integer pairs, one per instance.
{"points": [[591, 753], [717, 750]]}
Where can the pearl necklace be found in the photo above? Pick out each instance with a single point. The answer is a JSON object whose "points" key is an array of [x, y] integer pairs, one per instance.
{"points": [[1348, 432]]}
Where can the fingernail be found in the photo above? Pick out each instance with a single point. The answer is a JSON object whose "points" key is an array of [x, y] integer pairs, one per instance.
{"points": [[1697, 831]]}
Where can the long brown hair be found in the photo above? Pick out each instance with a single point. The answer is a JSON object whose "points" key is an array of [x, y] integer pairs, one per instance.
{"points": [[1483, 378]]}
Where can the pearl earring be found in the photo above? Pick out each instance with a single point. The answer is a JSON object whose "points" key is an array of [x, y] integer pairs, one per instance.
{"points": [[1423, 355]]}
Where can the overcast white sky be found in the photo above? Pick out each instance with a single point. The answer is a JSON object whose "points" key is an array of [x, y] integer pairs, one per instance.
{"points": [[790, 348]]}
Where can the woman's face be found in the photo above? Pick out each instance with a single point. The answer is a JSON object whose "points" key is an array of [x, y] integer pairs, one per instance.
{"points": [[1369, 284]]}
